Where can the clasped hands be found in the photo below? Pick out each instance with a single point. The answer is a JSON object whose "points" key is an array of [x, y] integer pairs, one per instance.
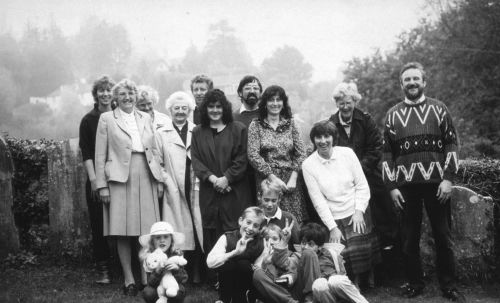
{"points": [[221, 185]]}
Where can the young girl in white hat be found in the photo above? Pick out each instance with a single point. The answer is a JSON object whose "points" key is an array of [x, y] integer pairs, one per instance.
{"points": [[163, 236]]}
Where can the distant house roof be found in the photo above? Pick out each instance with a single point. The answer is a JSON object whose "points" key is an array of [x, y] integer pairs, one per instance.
{"points": [[82, 90]]}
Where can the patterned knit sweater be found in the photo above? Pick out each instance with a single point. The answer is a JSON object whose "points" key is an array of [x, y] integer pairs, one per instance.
{"points": [[420, 144]]}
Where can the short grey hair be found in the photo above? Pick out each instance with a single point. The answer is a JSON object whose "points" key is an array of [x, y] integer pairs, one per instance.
{"points": [[148, 93], [180, 97], [345, 89]]}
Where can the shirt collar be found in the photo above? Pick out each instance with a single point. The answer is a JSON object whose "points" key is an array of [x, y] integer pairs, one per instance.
{"points": [[277, 215], [345, 123], [125, 114], [244, 109], [420, 100], [326, 161]]}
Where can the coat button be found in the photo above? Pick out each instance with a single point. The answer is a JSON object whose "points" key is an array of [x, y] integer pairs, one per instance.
{"points": [[146, 148]]}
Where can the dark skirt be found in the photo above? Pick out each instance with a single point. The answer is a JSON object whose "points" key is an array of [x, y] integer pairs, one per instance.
{"points": [[362, 251]]}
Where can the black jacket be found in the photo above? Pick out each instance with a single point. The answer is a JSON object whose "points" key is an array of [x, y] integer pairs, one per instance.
{"points": [[365, 140]]}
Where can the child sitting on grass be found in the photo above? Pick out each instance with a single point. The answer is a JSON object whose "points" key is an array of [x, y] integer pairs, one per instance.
{"points": [[276, 269], [234, 254], [162, 236], [317, 277], [270, 204]]}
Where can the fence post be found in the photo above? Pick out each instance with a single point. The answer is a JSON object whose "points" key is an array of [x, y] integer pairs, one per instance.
{"points": [[9, 236], [68, 215]]}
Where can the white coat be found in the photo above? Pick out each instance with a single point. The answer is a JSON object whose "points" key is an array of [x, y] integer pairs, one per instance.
{"points": [[175, 207]]}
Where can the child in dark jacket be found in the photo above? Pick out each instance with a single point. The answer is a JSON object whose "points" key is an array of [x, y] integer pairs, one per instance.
{"points": [[234, 254], [162, 236], [318, 278]]}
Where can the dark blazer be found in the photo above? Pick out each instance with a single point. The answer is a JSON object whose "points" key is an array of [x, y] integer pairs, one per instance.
{"points": [[365, 140], [222, 155], [113, 149]]}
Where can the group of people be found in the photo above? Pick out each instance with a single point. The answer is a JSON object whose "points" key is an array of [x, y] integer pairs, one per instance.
{"points": [[237, 193]]}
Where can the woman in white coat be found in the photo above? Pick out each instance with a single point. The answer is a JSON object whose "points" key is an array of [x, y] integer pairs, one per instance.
{"points": [[180, 203]]}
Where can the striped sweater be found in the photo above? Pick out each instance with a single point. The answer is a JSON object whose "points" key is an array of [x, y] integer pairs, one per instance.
{"points": [[420, 144]]}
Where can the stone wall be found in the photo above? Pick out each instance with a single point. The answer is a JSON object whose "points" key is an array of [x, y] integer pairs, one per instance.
{"points": [[473, 236], [9, 238], [68, 215]]}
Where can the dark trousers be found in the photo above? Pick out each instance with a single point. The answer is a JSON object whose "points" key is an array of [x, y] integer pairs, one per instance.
{"points": [[235, 278], [440, 218], [99, 242]]}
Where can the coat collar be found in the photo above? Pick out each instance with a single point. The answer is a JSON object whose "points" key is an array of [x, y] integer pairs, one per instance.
{"points": [[139, 119], [169, 127], [356, 115]]}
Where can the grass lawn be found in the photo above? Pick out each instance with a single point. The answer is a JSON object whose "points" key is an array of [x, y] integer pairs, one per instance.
{"points": [[50, 283]]}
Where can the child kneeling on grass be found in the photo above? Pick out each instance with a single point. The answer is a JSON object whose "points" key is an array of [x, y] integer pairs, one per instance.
{"points": [[317, 280], [234, 254], [162, 236]]}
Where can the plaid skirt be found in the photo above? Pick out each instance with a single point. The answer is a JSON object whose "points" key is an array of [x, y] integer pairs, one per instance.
{"points": [[362, 251]]}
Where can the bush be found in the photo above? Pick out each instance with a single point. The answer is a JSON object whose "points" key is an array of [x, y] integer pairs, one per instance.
{"points": [[31, 204]]}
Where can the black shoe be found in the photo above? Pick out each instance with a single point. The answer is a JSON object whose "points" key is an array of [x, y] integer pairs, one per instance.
{"points": [[454, 295], [411, 292], [130, 290]]}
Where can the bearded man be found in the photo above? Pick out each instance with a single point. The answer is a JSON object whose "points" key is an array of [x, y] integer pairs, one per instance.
{"points": [[419, 161], [249, 91]]}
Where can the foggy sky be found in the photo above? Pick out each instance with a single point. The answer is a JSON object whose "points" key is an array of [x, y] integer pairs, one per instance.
{"points": [[327, 32]]}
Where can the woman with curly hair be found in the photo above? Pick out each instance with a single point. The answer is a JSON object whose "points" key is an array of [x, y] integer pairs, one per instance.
{"points": [[219, 155], [276, 150]]}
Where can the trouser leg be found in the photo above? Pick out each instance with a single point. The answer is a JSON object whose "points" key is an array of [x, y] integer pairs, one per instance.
{"points": [[270, 291], [411, 228], [99, 242], [440, 218], [235, 278], [307, 272], [342, 287], [321, 291], [384, 215]]}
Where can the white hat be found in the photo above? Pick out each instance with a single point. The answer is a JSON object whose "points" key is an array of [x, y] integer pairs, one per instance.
{"points": [[162, 228]]}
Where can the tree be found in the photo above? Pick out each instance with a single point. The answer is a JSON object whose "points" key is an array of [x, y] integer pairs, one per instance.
{"points": [[287, 67], [193, 62], [47, 60], [101, 48], [461, 54], [224, 52]]}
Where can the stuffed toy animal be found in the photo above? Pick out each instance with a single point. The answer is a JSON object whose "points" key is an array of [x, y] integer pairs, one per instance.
{"points": [[168, 287]]}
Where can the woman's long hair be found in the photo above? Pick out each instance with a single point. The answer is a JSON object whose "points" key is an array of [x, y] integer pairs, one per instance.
{"points": [[271, 91], [213, 96]]}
